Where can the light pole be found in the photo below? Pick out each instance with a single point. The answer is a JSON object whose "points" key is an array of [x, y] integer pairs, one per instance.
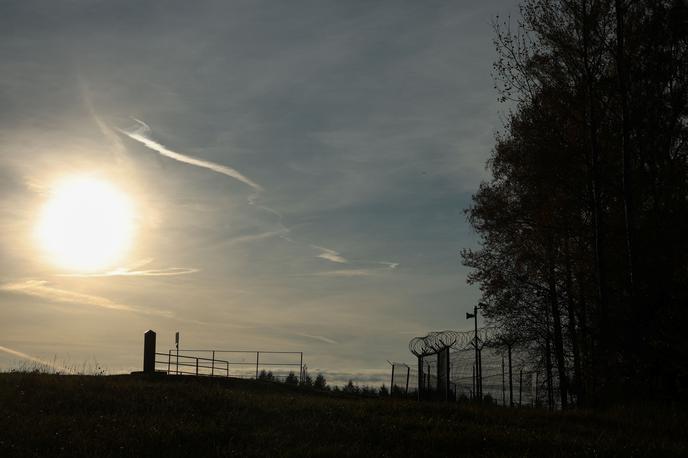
{"points": [[478, 365]]}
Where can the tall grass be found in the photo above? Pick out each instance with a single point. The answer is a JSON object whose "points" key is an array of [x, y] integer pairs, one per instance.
{"points": [[58, 415]]}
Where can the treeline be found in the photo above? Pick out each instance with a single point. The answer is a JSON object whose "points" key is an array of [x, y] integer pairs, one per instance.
{"points": [[320, 384], [584, 222]]}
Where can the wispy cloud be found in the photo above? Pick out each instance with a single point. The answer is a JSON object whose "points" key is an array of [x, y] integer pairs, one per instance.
{"points": [[320, 338], [136, 272], [41, 289], [139, 135], [347, 273], [31, 358], [360, 272], [255, 237], [330, 255]]}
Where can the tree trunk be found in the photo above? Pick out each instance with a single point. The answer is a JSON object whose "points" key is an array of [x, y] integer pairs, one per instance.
{"points": [[626, 182], [577, 385], [556, 323]]}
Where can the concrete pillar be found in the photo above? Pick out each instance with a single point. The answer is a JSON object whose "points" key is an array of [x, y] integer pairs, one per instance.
{"points": [[149, 352]]}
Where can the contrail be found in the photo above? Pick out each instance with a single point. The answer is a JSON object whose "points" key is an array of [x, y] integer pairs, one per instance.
{"points": [[43, 290], [139, 135], [136, 271], [320, 338], [31, 358]]}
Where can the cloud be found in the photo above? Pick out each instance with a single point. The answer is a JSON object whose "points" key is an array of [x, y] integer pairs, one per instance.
{"points": [[320, 338], [34, 359], [139, 135], [254, 237], [330, 255], [41, 289], [346, 273], [360, 272], [133, 272]]}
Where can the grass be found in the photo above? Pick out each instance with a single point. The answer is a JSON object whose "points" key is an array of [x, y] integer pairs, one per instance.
{"points": [[78, 415]]}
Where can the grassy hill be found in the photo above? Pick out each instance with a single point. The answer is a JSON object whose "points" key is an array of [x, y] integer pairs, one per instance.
{"points": [[58, 415]]}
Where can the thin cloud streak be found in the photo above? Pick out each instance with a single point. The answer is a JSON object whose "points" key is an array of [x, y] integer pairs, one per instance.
{"points": [[346, 273], [255, 237], [320, 338], [330, 255], [34, 359], [124, 272], [41, 289], [139, 136], [136, 271]]}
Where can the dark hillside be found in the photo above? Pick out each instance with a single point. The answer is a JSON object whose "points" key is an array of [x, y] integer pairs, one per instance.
{"points": [[53, 415]]}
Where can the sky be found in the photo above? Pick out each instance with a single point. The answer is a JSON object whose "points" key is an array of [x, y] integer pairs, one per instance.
{"points": [[298, 172]]}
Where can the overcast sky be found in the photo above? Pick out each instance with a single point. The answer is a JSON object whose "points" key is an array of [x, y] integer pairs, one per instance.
{"points": [[328, 152]]}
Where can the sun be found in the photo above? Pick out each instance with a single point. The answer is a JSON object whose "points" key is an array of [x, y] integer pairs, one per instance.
{"points": [[86, 225]]}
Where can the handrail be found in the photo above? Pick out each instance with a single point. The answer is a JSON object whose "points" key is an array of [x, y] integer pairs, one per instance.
{"points": [[197, 364], [259, 361]]}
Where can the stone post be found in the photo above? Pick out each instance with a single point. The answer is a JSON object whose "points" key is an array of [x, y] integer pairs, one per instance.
{"points": [[149, 352]]}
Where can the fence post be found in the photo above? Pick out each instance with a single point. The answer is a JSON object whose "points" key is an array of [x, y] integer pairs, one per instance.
{"points": [[503, 384], [408, 373], [257, 359], [473, 393], [149, 352], [303, 373], [511, 382], [196, 366], [212, 365], [391, 383], [169, 361], [227, 363], [520, 387]]}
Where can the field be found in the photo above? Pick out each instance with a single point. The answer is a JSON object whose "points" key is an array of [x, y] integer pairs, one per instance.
{"points": [[58, 415]]}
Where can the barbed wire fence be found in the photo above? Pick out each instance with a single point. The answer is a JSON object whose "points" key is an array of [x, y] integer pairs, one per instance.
{"points": [[448, 367]]}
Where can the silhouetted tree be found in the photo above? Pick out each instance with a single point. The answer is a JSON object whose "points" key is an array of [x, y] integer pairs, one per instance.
{"points": [[267, 376], [320, 383], [351, 388], [291, 379], [307, 381], [584, 253]]}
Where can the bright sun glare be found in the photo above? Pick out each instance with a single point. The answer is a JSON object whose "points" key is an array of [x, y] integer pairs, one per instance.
{"points": [[86, 225]]}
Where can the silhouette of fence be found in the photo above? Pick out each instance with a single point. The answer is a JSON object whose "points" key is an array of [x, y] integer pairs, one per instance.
{"points": [[239, 363], [455, 365], [191, 365], [277, 365], [404, 380]]}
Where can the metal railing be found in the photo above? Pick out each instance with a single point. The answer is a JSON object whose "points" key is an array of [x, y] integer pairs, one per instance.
{"points": [[239, 366], [192, 365]]}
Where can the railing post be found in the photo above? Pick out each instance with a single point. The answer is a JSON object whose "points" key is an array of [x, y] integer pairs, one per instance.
{"points": [[227, 363], [169, 361], [408, 373], [196, 366], [149, 352], [212, 370], [257, 359], [303, 375]]}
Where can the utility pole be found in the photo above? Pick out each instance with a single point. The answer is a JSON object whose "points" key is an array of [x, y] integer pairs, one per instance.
{"points": [[478, 366]]}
